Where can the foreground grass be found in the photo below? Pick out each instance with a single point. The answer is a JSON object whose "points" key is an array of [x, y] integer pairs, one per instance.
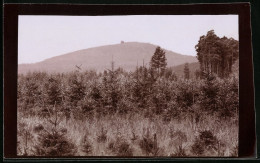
{"points": [[134, 135]]}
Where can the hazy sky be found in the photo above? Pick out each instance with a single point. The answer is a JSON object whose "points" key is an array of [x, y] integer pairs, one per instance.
{"points": [[42, 37]]}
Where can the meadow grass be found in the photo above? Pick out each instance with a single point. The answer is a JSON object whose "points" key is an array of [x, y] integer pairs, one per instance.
{"points": [[113, 134]]}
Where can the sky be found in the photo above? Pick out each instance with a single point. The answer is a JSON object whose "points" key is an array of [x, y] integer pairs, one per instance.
{"points": [[43, 37]]}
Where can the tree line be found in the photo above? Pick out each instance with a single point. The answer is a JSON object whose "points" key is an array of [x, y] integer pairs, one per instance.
{"points": [[217, 55], [84, 94]]}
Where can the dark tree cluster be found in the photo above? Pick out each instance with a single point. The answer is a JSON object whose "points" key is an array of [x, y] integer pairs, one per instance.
{"points": [[217, 55]]}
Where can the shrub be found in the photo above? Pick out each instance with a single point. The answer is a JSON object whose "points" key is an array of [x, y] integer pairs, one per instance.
{"points": [[76, 89], [84, 109], [209, 94], [149, 145], [53, 91], [102, 137], [38, 128], [54, 144], [205, 142], [208, 139], [185, 96], [173, 111], [120, 147], [124, 149], [197, 148], [228, 98], [30, 94]]}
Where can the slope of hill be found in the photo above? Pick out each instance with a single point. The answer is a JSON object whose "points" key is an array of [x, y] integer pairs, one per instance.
{"points": [[179, 70], [125, 55]]}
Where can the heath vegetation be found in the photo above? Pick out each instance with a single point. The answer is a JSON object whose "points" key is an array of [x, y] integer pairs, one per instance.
{"points": [[148, 112]]}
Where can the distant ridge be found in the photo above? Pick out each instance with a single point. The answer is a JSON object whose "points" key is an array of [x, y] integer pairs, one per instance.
{"points": [[179, 70], [125, 55]]}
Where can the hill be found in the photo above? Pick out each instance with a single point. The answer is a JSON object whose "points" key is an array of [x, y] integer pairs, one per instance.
{"points": [[179, 70], [125, 55]]}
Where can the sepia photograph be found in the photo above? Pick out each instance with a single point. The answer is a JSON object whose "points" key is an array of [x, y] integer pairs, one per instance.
{"points": [[128, 86]]}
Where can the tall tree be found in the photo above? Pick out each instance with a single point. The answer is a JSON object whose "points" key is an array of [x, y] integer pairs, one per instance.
{"points": [[111, 90], [158, 61], [186, 71], [53, 91], [207, 51], [76, 90]]}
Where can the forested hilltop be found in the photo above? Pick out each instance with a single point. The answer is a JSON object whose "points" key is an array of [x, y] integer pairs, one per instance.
{"points": [[150, 111]]}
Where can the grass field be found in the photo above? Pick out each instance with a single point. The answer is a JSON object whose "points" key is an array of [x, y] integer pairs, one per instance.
{"points": [[134, 135]]}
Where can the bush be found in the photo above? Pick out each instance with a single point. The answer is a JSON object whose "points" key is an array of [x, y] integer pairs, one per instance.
{"points": [[148, 144], [54, 144], [208, 139], [197, 148], [102, 137], [53, 141], [209, 94], [124, 149], [120, 147], [38, 128], [205, 142], [228, 98]]}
